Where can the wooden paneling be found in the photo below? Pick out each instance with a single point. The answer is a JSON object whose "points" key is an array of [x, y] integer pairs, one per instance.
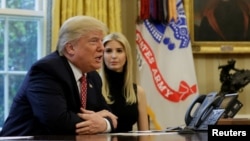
{"points": [[207, 72]]}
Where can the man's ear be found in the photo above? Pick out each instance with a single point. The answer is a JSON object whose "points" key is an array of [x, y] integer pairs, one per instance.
{"points": [[69, 48]]}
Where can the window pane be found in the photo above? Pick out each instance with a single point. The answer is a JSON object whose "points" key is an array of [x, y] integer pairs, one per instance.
{"points": [[14, 84], [21, 4], [1, 44], [1, 101], [22, 44]]}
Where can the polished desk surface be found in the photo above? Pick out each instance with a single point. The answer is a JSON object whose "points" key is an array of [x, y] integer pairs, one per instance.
{"points": [[154, 136], [171, 136], [234, 121]]}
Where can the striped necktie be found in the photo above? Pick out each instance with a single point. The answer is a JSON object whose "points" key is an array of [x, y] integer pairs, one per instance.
{"points": [[83, 81]]}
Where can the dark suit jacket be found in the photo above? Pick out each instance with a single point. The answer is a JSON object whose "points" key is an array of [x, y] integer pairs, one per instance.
{"points": [[48, 100]]}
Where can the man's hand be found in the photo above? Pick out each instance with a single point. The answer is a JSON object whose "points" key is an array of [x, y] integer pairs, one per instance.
{"points": [[103, 113], [106, 113], [94, 121], [93, 124]]}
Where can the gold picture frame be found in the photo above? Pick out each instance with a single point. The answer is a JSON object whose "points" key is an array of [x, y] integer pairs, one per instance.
{"points": [[210, 46]]}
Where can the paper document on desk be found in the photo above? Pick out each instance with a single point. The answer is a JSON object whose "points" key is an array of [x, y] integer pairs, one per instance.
{"points": [[16, 137], [139, 133]]}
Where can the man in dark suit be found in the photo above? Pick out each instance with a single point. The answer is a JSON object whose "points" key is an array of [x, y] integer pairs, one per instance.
{"points": [[48, 101]]}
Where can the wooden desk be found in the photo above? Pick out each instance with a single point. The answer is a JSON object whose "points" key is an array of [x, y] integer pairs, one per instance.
{"points": [[233, 121], [173, 136]]}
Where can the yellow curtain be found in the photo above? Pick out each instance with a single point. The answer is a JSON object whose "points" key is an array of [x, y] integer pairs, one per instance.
{"points": [[108, 11]]}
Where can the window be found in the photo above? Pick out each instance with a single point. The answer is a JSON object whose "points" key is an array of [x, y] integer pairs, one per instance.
{"points": [[22, 42]]}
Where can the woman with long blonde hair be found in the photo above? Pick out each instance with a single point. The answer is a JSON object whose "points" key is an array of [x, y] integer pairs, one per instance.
{"points": [[126, 98]]}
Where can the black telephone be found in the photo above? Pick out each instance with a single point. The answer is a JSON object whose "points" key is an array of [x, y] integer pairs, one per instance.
{"points": [[208, 109], [231, 104]]}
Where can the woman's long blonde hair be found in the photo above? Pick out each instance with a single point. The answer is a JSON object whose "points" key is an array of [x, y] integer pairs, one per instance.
{"points": [[128, 89]]}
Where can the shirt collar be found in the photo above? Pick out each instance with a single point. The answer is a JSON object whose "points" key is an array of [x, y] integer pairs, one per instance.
{"points": [[77, 72]]}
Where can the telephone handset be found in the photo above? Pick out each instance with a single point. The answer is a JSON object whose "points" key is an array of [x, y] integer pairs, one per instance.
{"points": [[206, 113], [231, 104]]}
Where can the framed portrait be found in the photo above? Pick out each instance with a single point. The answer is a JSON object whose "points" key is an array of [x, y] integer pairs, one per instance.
{"points": [[219, 26]]}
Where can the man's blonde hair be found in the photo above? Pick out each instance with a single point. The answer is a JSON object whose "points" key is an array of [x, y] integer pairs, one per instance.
{"points": [[77, 26]]}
